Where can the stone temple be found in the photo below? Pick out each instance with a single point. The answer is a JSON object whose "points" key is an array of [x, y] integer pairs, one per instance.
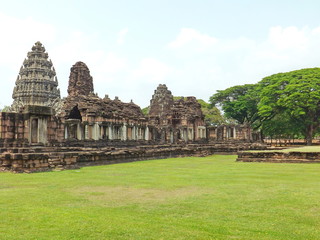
{"points": [[44, 132], [36, 83]]}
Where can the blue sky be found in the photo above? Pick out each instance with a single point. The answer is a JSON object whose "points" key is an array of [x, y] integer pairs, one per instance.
{"points": [[194, 46]]}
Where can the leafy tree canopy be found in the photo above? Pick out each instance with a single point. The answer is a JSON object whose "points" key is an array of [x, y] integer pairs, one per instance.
{"points": [[296, 94], [5, 109], [212, 114], [238, 103], [145, 110], [280, 104]]}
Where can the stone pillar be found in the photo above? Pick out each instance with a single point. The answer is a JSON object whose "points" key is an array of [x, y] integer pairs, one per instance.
{"points": [[86, 132], [185, 134], [171, 137], [110, 132], [224, 132], [42, 130], [134, 137], [146, 134], [227, 133], [116, 132], [124, 132], [65, 132], [101, 132], [79, 132], [95, 131]]}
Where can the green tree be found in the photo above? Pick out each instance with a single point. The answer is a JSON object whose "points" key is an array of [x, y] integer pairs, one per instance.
{"points": [[239, 103], [281, 126], [5, 109], [212, 114], [145, 110], [296, 94]]}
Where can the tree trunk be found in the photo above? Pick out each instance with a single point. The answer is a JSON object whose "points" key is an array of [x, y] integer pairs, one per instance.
{"points": [[309, 135], [261, 136]]}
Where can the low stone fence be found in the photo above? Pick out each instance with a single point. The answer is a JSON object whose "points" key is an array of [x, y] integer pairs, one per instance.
{"points": [[279, 157], [36, 159]]}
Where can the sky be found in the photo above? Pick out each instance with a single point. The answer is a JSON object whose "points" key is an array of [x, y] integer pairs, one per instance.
{"points": [[195, 47]]}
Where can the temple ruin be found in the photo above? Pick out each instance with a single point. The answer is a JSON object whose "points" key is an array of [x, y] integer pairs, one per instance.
{"points": [[175, 120], [40, 121], [37, 83]]}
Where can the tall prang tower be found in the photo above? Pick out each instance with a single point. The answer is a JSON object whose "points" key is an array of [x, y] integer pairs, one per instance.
{"points": [[36, 84], [80, 80], [161, 102]]}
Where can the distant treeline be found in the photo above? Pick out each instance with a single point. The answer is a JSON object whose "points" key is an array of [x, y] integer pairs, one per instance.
{"points": [[283, 105]]}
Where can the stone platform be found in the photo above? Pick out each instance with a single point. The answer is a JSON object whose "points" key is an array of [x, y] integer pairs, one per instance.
{"points": [[279, 157], [44, 158]]}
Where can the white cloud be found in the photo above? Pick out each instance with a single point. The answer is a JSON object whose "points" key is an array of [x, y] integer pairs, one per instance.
{"points": [[229, 62], [18, 35], [193, 63], [113, 63], [189, 36], [152, 69], [288, 38], [121, 36]]}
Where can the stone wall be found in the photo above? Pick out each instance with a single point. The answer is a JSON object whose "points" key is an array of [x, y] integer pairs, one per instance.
{"points": [[175, 121], [11, 125], [35, 159], [279, 157], [232, 132]]}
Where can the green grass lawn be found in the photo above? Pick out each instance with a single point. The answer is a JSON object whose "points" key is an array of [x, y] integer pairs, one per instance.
{"points": [[184, 198]]}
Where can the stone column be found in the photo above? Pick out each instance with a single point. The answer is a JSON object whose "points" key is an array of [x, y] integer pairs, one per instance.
{"points": [[86, 132], [116, 132], [124, 132], [42, 130], [185, 134], [171, 137], [101, 132], [65, 131], [79, 132], [139, 133], [95, 131], [146, 134], [134, 137], [110, 132]]}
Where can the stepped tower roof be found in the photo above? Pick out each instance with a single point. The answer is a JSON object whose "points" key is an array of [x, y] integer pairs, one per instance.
{"points": [[161, 102], [80, 80], [36, 83]]}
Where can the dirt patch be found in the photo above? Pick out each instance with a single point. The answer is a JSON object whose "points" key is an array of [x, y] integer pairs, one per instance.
{"points": [[122, 196]]}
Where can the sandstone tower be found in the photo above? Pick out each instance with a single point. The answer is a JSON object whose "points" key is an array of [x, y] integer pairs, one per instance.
{"points": [[161, 102], [36, 84], [80, 80]]}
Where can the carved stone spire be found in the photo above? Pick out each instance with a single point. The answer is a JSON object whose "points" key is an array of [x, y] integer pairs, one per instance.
{"points": [[161, 102], [36, 83], [80, 80]]}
